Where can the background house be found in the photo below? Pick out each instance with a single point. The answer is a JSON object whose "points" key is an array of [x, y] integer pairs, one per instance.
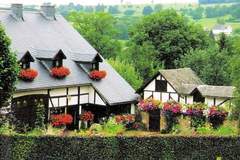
{"points": [[43, 40], [183, 85], [221, 28]]}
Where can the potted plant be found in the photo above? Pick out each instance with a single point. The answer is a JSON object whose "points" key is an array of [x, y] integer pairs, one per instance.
{"points": [[60, 72], [97, 75], [127, 120], [61, 120], [216, 116], [85, 118], [171, 110], [28, 74]]}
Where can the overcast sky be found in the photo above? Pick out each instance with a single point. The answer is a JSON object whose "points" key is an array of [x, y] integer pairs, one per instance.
{"points": [[93, 2]]}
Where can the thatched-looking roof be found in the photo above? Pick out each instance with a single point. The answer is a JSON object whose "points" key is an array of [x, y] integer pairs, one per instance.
{"points": [[183, 80], [216, 91]]}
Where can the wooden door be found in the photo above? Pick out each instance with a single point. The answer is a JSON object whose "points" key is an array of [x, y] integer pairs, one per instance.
{"points": [[154, 120]]}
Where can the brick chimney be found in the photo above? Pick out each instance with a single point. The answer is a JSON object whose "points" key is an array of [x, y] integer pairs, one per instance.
{"points": [[17, 11], [48, 11]]}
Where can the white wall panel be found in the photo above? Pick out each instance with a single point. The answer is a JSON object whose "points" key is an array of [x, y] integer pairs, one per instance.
{"points": [[156, 95], [73, 100], [72, 90], [165, 97], [15, 95], [147, 94], [150, 86], [58, 92], [174, 96]]}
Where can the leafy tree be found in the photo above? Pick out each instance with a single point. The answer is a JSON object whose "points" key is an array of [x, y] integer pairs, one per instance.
{"points": [[8, 69], [129, 12], [127, 71], [235, 75], [223, 42], [209, 64], [236, 13], [143, 57], [170, 34], [197, 13], [147, 10], [99, 29], [113, 10]]}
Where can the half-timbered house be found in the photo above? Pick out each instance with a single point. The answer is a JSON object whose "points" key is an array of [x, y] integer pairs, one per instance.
{"points": [[184, 86], [43, 40]]}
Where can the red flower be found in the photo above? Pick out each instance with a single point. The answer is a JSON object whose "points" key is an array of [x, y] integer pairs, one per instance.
{"points": [[61, 119], [28, 74], [60, 72], [97, 75], [87, 116], [124, 118]]}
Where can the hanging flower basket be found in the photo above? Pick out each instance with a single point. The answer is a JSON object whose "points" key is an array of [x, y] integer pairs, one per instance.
{"points": [[61, 120], [149, 104], [28, 74], [87, 116], [60, 72], [216, 116], [97, 75]]}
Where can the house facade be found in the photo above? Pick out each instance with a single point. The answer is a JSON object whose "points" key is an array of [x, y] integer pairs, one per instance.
{"points": [[44, 40], [220, 28], [183, 85]]}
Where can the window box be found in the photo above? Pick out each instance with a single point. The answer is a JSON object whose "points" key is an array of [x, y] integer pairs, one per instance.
{"points": [[28, 74], [97, 75], [60, 72]]}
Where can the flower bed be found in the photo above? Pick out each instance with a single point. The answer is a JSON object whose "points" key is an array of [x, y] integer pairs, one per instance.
{"points": [[97, 75], [28, 74], [60, 72], [127, 120], [60, 120], [149, 104], [216, 116]]}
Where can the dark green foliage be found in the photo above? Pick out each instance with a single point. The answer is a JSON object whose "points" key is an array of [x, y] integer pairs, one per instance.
{"points": [[170, 34], [99, 29], [147, 10], [223, 42], [8, 69], [209, 64], [40, 116], [172, 147]]}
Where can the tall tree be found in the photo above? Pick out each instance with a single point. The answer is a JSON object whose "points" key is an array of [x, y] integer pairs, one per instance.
{"points": [[127, 71], [99, 29], [209, 64], [170, 34], [8, 69], [223, 42], [235, 75]]}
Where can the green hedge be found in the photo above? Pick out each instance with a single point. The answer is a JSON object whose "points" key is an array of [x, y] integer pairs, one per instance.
{"points": [[174, 147]]}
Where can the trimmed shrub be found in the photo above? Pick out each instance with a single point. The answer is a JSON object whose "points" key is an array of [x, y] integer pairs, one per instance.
{"points": [[171, 147]]}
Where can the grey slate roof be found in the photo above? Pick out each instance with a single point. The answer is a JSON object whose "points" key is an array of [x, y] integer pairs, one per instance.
{"points": [[36, 33], [220, 27]]}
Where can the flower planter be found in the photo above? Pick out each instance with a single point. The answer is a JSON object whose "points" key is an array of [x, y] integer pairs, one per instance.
{"points": [[97, 75], [28, 74], [60, 72]]}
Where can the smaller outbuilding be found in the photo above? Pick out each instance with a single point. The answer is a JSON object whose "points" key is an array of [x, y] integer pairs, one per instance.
{"points": [[221, 28], [184, 86]]}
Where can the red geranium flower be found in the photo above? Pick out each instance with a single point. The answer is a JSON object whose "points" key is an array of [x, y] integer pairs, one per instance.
{"points": [[87, 116], [61, 119], [60, 72], [97, 75], [28, 74]]}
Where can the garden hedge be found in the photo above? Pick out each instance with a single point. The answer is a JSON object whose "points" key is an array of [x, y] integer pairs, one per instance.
{"points": [[165, 147]]}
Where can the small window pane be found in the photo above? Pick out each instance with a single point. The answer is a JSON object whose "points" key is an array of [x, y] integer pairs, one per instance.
{"points": [[161, 86]]}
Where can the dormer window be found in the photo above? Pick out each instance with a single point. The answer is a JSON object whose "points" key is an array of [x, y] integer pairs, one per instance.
{"points": [[26, 60], [58, 59]]}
